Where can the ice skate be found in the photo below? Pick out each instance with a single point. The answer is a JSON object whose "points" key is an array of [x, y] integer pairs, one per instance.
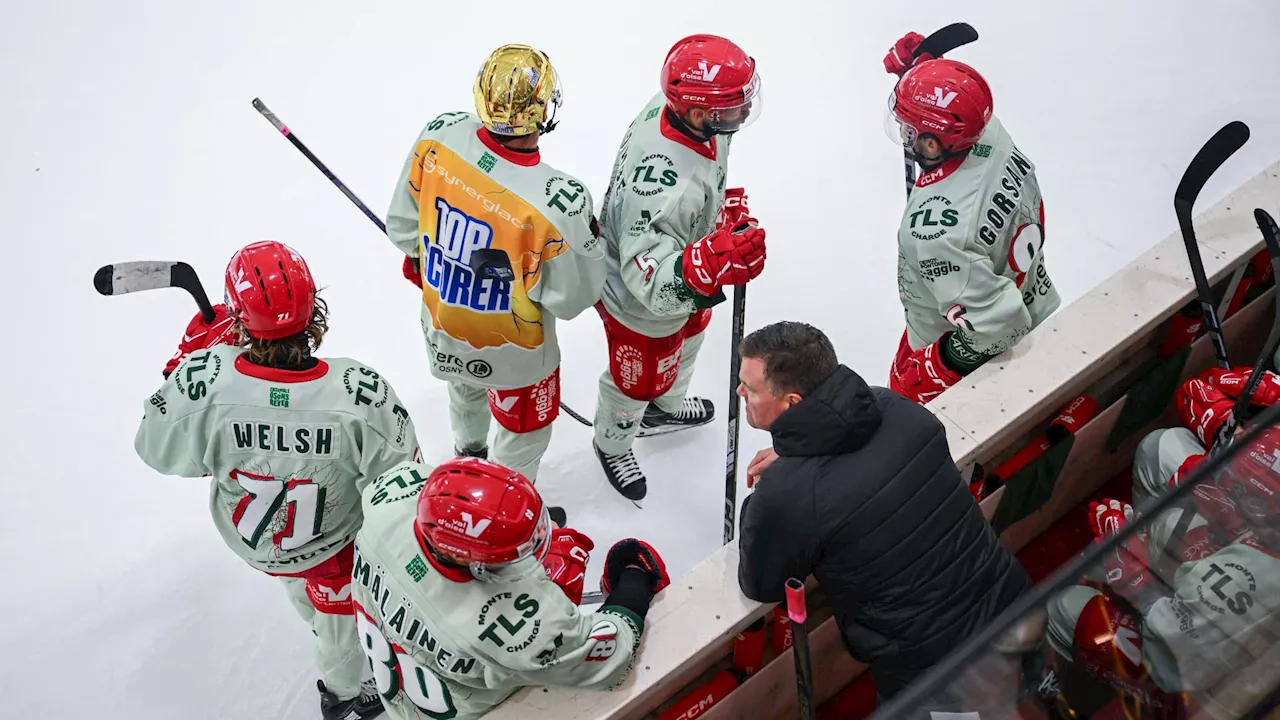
{"points": [[482, 453], [624, 474], [368, 704], [694, 411]]}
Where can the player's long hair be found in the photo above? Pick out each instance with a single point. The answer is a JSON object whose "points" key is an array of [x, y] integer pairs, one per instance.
{"points": [[294, 351]]}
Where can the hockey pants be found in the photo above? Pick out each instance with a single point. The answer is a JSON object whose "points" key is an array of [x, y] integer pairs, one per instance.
{"points": [[469, 413], [338, 653], [618, 417]]}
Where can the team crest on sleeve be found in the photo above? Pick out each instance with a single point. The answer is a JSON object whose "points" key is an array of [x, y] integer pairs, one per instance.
{"points": [[955, 316], [367, 386], [197, 374], [567, 196], [604, 639]]}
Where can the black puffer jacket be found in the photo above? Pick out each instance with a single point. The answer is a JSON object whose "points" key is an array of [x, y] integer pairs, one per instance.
{"points": [[866, 497]]}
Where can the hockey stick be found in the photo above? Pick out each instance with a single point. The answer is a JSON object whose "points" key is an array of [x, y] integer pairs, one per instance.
{"points": [[733, 410], [1271, 238], [800, 647], [1240, 412], [1221, 146], [939, 43], [129, 277], [284, 130]]}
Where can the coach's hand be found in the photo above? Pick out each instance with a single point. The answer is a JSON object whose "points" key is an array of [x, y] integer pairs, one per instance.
{"points": [[762, 460]]}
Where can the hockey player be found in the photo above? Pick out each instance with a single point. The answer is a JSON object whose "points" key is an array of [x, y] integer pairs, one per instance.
{"points": [[675, 238], [1223, 610], [289, 440], [971, 272], [466, 591], [503, 245]]}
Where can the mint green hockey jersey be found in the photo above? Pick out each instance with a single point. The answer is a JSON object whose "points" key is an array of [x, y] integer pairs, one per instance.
{"points": [[288, 452], [664, 193], [970, 255], [442, 645], [460, 196], [1223, 618]]}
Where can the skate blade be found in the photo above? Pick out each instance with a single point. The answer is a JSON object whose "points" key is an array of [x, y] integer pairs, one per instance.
{"points": [[591, 598], [668, 429]]}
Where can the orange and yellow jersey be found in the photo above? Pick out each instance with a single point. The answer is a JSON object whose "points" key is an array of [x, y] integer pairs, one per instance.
{"points": [[464, 202]]}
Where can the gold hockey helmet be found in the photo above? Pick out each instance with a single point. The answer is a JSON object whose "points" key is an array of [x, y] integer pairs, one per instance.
{"points": [[513, 89]]}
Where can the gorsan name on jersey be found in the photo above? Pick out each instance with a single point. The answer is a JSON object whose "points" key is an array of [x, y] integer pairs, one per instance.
{"points": [[407, 623], [1000, 206], [304, 441]]}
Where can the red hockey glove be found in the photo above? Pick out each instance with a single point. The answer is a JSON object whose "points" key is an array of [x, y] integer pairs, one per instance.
{"points": [[723, 258], [1202, 408], [1127, 566], [630, 552], [410, 270], [1107, 517], [566, 561], [200, 335], [734, 212], [1232, 382], [924, 376], [900, 57]]}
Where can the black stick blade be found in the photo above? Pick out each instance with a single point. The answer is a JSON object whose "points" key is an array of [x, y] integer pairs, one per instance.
{"points": [[102, 280], [1271, 237], [184, 276], [1270, 232], [1221, 146], [947, 39]]}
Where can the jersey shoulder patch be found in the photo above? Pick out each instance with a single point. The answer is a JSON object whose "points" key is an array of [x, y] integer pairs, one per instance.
{"points": [[400, 483], [445, 121], [369, 396], [198, 379]]}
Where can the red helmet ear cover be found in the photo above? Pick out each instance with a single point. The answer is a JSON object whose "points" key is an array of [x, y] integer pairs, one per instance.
{"points": [[269, 289]]}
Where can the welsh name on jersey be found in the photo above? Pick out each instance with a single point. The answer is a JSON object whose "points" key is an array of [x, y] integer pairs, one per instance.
{"points": [[463, 204], [287, 452], [452, 647]]}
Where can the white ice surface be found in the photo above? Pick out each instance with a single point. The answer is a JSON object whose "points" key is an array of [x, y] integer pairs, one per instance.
{"points": [[126, 133]]}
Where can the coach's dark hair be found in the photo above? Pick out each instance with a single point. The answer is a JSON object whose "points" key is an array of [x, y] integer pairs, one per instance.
{"points": [[797, 356]]}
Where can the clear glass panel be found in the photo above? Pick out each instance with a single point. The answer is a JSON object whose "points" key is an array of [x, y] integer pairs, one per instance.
{"points": [[1175, 615]]}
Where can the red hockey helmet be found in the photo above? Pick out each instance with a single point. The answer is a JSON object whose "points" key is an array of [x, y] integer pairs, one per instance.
{"points": [[269, 290], [485, 515], [943, 98], [712, 73], [1251, 480]]}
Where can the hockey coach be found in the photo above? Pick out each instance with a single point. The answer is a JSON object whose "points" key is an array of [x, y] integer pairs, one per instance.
{"points": [[860, 490]]}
